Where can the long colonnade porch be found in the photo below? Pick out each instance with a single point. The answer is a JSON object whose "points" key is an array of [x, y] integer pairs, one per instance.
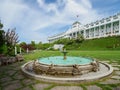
{"points": [[105, 30], [101, 28]]}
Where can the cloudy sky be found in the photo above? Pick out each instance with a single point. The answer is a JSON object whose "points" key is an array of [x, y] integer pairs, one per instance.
{"points": [[38, 19]]}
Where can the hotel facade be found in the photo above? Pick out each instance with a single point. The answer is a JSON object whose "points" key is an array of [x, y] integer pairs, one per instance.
{"points": [[101, 28]]}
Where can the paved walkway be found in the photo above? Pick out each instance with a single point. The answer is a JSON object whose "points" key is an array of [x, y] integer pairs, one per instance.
{"points": [[11, 78]]}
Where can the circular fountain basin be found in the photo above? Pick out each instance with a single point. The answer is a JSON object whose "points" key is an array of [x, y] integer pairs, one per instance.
{"points": [[104, 71], [71, 66], [58, 60], [69, 70]]}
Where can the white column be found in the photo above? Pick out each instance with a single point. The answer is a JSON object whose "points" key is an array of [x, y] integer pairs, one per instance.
{"points": [[104, 30], [15, 50], [99, 31], [84, 34], [111, 28], [89, 32], [94, 32], [119, 26], [27, 50], [72, 35], [76, 34]]}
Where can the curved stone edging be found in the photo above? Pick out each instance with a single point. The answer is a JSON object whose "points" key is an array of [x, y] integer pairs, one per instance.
{"points": [[66, 80]]}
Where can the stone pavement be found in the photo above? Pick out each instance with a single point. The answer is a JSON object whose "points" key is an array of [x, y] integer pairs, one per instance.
{"points": [[11, 78]]}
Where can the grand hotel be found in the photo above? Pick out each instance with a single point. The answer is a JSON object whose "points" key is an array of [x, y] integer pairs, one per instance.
{"points": [[105, 27]]}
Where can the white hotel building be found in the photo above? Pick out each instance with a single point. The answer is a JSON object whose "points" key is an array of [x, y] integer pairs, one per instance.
{"points": [[101, 28]]}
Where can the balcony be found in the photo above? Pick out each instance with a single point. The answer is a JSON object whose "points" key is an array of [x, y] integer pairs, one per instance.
{"points": [[92, 24], [97, 22], [87, 25], [115, 17], [108, 19]]}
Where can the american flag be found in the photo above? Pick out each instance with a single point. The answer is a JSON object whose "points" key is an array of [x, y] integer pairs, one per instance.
{"points": [[77, 16]]}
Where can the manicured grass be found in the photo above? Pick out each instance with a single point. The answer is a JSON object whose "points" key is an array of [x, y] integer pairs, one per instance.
{"points": [[101, 55], [105, 43]]}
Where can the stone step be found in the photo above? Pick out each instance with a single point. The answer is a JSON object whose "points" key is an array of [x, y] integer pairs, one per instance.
{"points": [[115, 77], [93, 87], [117, 72], [110, 81], [116, 88], [116, 65], [67, 88], [116, 68], [105, 61], [40, 86]]}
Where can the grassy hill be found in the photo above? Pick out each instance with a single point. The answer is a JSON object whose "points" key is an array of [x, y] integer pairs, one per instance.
{"points": [[106, 43]]}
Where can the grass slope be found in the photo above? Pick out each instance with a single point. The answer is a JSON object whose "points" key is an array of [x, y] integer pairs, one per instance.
{"points": [[107, 43]]}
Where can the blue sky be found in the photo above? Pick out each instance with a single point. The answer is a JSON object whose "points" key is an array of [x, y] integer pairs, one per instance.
{"points": [[38, 19]]}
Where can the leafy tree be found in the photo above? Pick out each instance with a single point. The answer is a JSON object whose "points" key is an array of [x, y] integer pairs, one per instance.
{"points": [[11, 40], [40, 42], [33, 44], [22, 44], [27, 46], [1, 25], [79, 38], [65, 41], [45, 46], [39, 45], [8, 40]]}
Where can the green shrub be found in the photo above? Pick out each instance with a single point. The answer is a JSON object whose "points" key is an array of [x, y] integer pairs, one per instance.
{"points": [[3, 49]]}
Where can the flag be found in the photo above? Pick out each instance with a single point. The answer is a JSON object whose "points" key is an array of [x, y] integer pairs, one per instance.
{"points": [[77, 16]]}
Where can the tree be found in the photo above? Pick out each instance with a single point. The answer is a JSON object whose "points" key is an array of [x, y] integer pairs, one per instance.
{"points": [[8, 40], [2, 40], [22, 43], [27, 46], [79, 38], [39, 45], [1, 25], [11, 40], [2, 35], [33, 44]]}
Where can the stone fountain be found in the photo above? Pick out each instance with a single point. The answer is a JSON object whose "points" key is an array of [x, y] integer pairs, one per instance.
{"points": [[66, 69], [64, 53]]}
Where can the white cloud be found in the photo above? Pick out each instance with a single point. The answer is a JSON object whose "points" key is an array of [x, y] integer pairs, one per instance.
{"points": [[28, 20], [10, 11]]}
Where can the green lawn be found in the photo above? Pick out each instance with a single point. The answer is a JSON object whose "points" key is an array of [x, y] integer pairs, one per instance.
{"points": [[101, 55]]}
